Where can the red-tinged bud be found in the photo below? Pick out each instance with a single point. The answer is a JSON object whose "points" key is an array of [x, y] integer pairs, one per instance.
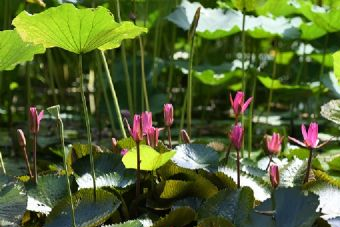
{"points": [[136, 131], [238, 104], [35, 119], [124, 152], [274, 175], [146, 121], [21, 138], [185, 137], [114, 143], [168, 114], [152, 136], [236, 136]]}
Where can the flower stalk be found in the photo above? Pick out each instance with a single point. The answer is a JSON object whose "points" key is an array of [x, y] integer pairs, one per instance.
{"points": [[22, 144]]}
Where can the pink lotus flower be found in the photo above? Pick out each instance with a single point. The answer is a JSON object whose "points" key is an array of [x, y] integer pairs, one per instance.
{"points": [[35, 119], [274, 175], [136, 132], [168, 114], [238, 104], [146, 121], [236, 136], [152, 136], [310, 138], [274, 143]]}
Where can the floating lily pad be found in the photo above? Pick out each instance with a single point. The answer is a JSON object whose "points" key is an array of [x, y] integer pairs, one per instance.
{"points": [[110, 171], [331, 111], [196, 156], [75, 30], [13, 201], [14, 51], [131, 223], [179, 217], [88, 212]]}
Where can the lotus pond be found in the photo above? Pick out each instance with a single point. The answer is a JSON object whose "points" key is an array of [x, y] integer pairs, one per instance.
{"points": [[169, 113]]}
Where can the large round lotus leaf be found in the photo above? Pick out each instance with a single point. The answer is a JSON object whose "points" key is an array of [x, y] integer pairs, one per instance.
{"points": [[45, 195], [196, 156], [278, 8], [331, 111], [110, 171], [293, 209], [329, 197], [14, 51], [13, 202], [179, 217], [75, 30], [88, 212], [215, 222], [234, 206], [131, 223], [150, 159], [216, 23]]}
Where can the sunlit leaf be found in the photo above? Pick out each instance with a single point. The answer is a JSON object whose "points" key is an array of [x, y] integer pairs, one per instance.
{"points": [[284, 58], [14, 51], [196, 156], [131, 223], [310, 31], [88, 212], [150, 159], [331, 111], [75, 30], [336, 63], [13, 202], [278, 7], [179, 217], [110, 171], [45, 195]]}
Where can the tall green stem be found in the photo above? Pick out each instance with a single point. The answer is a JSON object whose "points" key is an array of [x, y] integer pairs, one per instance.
{"points": [[114, 95], [87, 122], [2, 164], [243, 68], [250, 120], [145, 91], [125, 65], [106, 98], [192, 32], [238, 168], [271, 86], [138, 171], [61, 133]]}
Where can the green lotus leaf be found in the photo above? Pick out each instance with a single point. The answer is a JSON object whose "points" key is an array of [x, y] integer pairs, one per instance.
{"points": [[131, 223], [216, 23], [329, 196], [331, 111], [284, 58], [336, 63], [150, 158], [334, 164], [247, 5], [327, 19], [14, 51], [311, 31], [13, 201], [292, 174], [278, 8], [179, 217], [196, 156], [293, 209], [75, 30], [326, 59], [45, 195], [234, 206], [88, 212], [110, 171], [215, 222]]}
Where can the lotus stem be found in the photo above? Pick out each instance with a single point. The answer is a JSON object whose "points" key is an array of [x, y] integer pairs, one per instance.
{"points": [[145, 91], [87, 122], [114, 95], [227, 153], [243, 40], [2, 164], [35, 169], [270, 160], [250, 120], [138, 171], [169, 136], [308, 166], [238, 168], [61, 133], [24, 151]]}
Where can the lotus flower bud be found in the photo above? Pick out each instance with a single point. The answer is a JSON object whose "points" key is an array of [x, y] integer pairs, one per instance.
{"points": [[274, 175], [185, 137], [236, 136], [238, 104], [136, 131], [21, 138], [146, 121], [168, 114], [152, 136], [35, 119], [274, 143]]}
